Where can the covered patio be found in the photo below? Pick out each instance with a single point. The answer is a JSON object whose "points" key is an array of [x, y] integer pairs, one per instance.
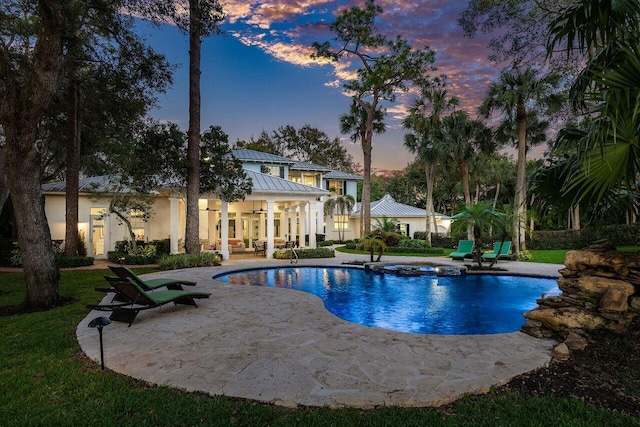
{"points": [[277, 211]]}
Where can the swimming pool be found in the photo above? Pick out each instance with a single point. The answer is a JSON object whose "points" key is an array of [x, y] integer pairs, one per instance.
{"points": [[455, 305]]}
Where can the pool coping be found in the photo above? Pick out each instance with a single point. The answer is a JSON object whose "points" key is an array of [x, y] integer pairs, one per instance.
{"points": [[282, 347]]}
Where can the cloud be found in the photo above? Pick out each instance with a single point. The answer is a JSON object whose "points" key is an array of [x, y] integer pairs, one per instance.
{"points": [[286, 29]]}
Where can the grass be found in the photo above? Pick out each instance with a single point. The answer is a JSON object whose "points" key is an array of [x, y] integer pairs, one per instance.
{"points": [[540, 256], [47, 381]]}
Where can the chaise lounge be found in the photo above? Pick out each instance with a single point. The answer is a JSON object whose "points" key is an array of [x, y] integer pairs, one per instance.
{"points": [[465, 249], [137, 299], [150, 284], [498, 252]]}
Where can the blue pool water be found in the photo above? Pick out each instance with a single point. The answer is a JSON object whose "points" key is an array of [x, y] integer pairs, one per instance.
{"points": [[456, 305]]}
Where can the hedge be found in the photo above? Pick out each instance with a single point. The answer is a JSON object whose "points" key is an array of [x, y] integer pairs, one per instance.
{"points": [[305, 253], [178, 261], [400, 249], [126, 259]]}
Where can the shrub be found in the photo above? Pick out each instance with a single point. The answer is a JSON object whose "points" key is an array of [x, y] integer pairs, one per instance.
{"points": [[351, 244], [178, 261], [124, 258], [424, 250], [325, 243], [413, 243], [306, 253]]}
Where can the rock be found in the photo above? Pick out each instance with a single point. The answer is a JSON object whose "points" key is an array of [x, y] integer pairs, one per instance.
{"points": [[575, 341], [594, 286], [560, 319], [634, 304], [615, 298], [561, 351]]}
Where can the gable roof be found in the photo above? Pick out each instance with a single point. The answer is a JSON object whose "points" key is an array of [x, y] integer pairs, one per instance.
{"points": [[388, 207]]}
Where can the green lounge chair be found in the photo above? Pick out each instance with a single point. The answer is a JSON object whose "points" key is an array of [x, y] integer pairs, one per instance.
{"points": [[498, 252], [150, 284], [465, 249], [137, 299]]}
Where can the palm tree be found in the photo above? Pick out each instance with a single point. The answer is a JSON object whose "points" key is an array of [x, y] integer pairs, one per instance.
{"points": [[355, 123], [515, 90], [607, 157], [425, 140], [372, 242], [343, 205], [388, 225], [480, 218], [464, 139]]}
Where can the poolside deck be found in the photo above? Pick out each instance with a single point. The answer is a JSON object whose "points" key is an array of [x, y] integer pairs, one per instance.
{"points": [[283, 347]]}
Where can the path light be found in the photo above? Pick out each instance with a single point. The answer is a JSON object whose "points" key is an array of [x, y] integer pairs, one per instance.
{"points": [[100, 322]]}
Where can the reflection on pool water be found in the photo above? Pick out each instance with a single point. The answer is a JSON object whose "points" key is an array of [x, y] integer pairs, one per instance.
{"points": [[457, 305]]}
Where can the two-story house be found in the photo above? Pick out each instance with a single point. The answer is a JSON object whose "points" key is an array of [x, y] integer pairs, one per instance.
{"points": [[286, 204]]}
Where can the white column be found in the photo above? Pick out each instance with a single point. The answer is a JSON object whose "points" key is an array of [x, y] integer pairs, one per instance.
{"points": [[224, 231], [303, 224], [320, 219], [284, 224], [294, 219], [312, 225], [270, 230], [173, 225]]}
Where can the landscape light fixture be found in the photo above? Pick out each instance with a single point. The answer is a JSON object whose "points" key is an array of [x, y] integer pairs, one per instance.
{"points": [[100, 322]]}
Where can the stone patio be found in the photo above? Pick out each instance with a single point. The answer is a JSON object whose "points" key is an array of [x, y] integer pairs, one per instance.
{"points": [[283, 347]]}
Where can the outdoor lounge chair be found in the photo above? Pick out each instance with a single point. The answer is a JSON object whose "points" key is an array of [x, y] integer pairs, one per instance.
{"points": [[504, 252], [465, 249], [150, 284], [138, 299]]}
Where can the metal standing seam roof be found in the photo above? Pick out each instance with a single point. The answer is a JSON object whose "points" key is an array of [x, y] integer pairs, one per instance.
{"points": [[389, 208], [263, 183], [342, 175], [306, 166], [245, 155], [101, 184]]}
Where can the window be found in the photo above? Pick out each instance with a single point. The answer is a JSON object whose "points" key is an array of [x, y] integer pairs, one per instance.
{"points": [[403, 229], [337, 187], [138, 224], [310, 180], [273, 170], [341, 222]]}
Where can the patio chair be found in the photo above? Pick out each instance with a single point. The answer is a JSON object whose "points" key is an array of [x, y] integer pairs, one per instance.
{"points": [[465, 249], [500, 253], [138, 299], [150, 284], [260, 248]]}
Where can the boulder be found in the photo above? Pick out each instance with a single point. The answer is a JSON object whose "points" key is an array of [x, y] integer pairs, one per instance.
{"points": [[560, 319], [575, 341], [615, 298], [561, 351]]}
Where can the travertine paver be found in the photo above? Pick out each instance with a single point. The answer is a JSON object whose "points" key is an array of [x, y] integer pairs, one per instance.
{"points": [[282, 346]]}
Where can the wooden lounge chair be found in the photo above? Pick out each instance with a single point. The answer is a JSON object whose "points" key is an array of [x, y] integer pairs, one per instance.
{"points": [[465, 249], [150, 284], [138, 299], [498, 252]]}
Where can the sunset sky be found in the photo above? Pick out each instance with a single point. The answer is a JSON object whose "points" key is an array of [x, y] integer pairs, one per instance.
{"points": [[259, 76]]}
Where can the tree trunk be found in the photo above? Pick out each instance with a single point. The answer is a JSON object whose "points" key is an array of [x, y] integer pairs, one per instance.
{"points": [[521, 184], [192, 236], [366, 186], [40, 270], [26, 94], [4, 180], [576, 217], [430, 173], [73, 168], [464, 173]]}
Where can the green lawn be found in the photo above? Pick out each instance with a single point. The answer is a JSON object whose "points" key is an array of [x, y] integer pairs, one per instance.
{"points": [[46, 381], [541, 256]]}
